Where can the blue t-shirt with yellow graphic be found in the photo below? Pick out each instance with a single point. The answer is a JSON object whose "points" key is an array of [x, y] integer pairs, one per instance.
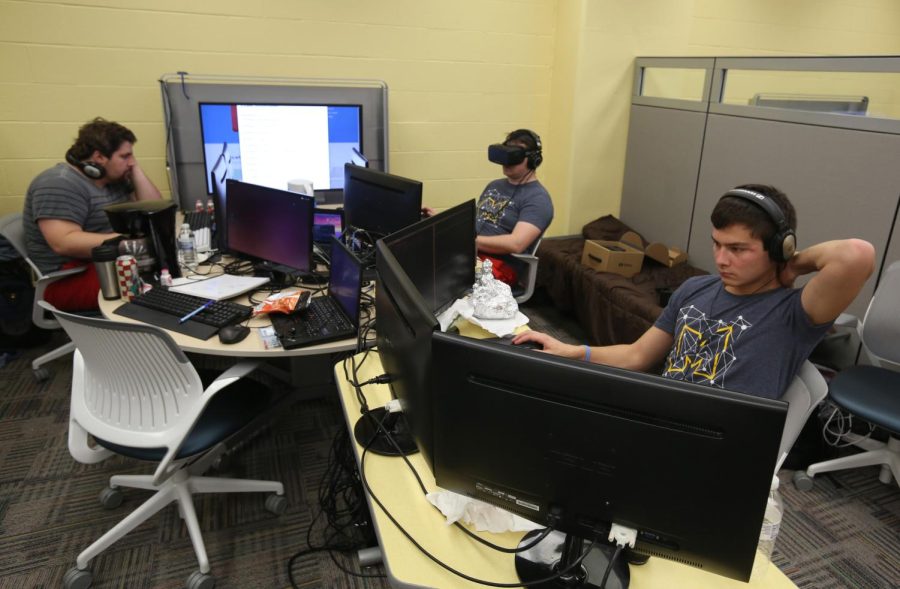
{"points": [[748, 343], [503, 204]]}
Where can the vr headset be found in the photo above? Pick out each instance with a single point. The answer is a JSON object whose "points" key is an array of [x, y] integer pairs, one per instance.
{"points": [[507, 155]]}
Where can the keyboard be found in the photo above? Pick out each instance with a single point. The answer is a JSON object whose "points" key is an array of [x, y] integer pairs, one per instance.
{"points": [[198, 220], [323, 320], [218, 314]]}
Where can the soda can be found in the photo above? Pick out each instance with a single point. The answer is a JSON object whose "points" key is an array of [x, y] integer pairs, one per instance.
{"points": [[198, 206], [127, 273], [210, 206]]}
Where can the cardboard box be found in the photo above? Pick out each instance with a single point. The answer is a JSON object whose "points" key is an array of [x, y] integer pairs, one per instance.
{"points": [[612, 256], [665, 255]]}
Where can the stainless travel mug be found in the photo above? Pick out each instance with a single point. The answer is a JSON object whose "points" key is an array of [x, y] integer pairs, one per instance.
{"points": [[104, 257]]}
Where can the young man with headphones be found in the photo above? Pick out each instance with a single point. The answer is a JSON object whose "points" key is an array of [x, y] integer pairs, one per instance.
{"points": [[746, 329], [514, 211], [63, 215]]}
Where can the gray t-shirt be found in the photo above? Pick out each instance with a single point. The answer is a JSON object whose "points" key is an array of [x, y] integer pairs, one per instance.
{"points": [[503, 204], [752, 344], [64, 193]]}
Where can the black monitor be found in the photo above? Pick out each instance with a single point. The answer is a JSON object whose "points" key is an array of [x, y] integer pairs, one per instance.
{"points": [[271, 227], [219, 176], [438, 254], [380, 203], [578, 446], [272, 144], [420, 271]]}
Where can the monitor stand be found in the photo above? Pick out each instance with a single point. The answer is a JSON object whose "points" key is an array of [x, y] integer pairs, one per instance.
{"points": [[368, 434], [558, 551]]}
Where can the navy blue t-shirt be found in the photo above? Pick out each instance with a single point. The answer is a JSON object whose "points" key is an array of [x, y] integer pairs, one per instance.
{"points": [[751, 343]]}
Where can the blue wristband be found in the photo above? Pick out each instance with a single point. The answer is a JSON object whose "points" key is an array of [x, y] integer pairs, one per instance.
{"points": [[587, 353]]}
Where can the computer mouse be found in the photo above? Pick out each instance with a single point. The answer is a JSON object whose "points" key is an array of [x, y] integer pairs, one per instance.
{"points": [[232, 334], [529, 345]]}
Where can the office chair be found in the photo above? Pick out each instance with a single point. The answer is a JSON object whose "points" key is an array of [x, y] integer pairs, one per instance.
{"points": [[11, 228], [805, 393], [137, 394], [523, 291], [871, 392]]}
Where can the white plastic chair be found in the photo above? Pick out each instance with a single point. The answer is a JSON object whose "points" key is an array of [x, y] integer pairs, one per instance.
{"points": [[805, 393], [871, 393], [11, 228], [137, 394], [528, 277]]}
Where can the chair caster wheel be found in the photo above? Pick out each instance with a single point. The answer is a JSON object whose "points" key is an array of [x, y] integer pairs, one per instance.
{"points": [[803, 481], [77, 579], [111, 498], [199, 580], [277, 504], [41, 374]]}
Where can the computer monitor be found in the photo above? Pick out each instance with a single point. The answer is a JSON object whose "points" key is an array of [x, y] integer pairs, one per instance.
{"points": [[438, 254], [218, 176], [272, 144], [420, 271], [380, 203], [271, 227], [327, 224], [688, 466]]}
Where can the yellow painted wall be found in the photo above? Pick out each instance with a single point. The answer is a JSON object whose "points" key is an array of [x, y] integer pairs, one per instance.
{"points": [[615, 32], [460, 73]]}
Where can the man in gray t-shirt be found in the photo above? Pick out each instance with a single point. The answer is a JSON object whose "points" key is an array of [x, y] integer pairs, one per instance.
{"points": [[747, 329], [63, 216], [513, 212]]}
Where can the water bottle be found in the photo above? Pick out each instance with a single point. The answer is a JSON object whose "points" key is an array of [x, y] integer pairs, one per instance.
{"points": [[187, 256], [769, 532]]}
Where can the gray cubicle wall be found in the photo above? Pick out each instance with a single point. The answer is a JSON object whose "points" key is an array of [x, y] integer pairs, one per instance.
{"points": [[661, 163], [182, 95], [842, 172]]}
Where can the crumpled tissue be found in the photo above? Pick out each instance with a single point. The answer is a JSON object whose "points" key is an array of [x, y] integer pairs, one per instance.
{"points": [[478, 514]]}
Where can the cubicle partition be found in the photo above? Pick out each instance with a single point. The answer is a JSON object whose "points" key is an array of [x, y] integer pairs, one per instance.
{"points": [[826, 131]]}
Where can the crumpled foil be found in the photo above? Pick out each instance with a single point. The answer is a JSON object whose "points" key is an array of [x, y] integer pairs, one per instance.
{"points": [[491, 298]]}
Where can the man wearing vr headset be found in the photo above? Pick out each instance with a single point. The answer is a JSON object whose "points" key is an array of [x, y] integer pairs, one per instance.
{"points": [[513, 212], [746, 329], [63, 215]]}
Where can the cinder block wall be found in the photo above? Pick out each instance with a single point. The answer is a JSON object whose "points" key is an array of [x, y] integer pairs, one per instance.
{"points": [[460, 73]]}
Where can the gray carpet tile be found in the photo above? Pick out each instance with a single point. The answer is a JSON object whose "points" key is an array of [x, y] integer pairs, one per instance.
{"points": [[845, 533]]}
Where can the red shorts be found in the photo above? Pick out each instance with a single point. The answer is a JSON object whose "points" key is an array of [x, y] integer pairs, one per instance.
{"points": [[501, 270], [77, 292]]}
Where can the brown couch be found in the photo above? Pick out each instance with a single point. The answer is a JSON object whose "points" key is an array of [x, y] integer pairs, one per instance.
{"points": [[611, 308]]}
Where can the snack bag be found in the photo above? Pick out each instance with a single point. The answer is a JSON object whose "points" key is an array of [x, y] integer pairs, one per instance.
{"points": [[283, 302]]}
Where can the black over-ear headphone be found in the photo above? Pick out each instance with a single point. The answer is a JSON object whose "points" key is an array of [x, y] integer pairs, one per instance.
{"points": [[535, 156], [90, 169], [783, 243]]}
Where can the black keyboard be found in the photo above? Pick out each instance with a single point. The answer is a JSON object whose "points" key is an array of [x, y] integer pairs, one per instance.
{"points": [[218, 314], [198, 219], [322, 321]]}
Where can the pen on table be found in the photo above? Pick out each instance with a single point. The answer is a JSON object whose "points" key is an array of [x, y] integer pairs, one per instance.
{"points": [[195, 311]]}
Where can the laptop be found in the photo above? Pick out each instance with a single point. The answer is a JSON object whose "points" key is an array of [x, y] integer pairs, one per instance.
{"points": [[333, 316], [327, 223]]}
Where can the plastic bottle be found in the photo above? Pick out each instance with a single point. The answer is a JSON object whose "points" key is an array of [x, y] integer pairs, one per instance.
{"points": [[769, 532], [187, 255], [165, 279]]}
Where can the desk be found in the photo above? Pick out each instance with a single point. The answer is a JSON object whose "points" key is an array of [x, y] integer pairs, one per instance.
{"points": [[250, 347], [407, 567]]}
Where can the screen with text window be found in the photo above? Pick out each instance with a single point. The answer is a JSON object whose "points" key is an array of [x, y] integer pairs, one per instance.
{"points": [[274, 144]]}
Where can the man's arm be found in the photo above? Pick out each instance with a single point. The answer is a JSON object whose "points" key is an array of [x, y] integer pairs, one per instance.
{"points": [[842, 268], [523, 235], [67, 238], [144, 189], [649, 350]]}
